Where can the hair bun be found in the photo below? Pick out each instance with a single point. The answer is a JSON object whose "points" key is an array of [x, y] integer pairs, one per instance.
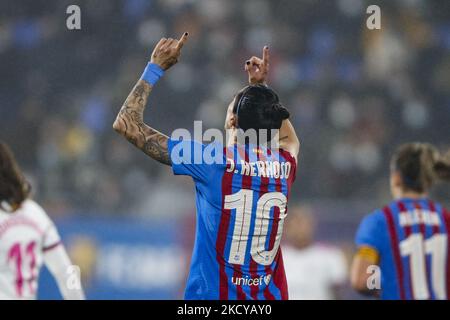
{"points": [[442, 169], [280, 112]]}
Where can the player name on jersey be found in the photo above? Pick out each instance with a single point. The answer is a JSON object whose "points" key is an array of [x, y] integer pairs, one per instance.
{"points": [[17, 221], [417, 217], [266, 169]]}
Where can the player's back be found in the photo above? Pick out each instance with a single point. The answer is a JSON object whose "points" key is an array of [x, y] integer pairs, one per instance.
{"points": [[241, 206], [411, 237], [24, 235]]}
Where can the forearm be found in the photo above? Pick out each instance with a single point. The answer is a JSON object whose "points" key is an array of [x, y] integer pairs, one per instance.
{"points": [[360, 274], [130, 124], [130, 120], [69, 282]]}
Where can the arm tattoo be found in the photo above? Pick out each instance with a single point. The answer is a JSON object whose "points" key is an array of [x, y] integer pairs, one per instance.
{"points": [[130, 124]]}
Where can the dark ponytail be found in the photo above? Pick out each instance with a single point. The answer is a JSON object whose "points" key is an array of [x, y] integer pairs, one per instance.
{"points": [[278, 113], [14, 188], [420, 166], [442, 167]]}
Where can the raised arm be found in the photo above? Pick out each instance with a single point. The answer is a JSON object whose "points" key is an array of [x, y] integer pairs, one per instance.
{"points": [[288, 138], [130, 120], [257, 70]]}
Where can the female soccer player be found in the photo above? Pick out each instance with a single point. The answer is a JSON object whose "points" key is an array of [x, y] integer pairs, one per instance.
{"points": [[403, 248], [242, 198], [28, 238]]}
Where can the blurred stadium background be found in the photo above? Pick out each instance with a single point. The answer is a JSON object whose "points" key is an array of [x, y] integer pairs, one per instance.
{"points": [[354, 95]]}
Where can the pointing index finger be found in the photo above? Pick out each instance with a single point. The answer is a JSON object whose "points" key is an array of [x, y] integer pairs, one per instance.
{"points": [[266, 55], [182, 40]]}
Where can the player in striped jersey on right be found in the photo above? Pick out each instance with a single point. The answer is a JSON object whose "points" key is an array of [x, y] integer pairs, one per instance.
{"points": [[409, 238]]}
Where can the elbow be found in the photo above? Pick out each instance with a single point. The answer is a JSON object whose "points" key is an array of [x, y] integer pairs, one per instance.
{"points": [[118, 126], [358, 284], [121, 126], [361, 288]]}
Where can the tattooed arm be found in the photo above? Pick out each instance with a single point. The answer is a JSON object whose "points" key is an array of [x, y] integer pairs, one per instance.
{"points": [[130, 124], [130, 120]]}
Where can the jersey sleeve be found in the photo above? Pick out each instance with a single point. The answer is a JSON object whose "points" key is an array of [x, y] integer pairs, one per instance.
{"points": [[193, 159], [289, 157], [370, 231], [369, 254], [51, 237]]}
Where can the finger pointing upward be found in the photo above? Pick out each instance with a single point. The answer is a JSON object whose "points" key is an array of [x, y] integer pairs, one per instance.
{"points": [[182, 40], [266, 55]]}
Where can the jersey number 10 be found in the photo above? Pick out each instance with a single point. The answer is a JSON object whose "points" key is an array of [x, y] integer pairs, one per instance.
{"points": [[242, 202]]}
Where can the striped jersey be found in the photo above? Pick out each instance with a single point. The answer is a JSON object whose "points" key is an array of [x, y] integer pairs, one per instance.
{"points": [[241, 197], [411, 238]]}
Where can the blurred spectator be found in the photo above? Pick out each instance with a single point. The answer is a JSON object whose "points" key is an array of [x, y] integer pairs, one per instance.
{"points": [[314, 271]]}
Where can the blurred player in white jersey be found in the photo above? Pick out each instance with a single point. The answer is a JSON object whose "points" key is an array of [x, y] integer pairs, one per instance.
{"points": [[28, 239], [314, 271]]}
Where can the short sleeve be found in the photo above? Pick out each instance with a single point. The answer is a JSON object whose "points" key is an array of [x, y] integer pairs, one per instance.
{"points": [[51, 238], [370, 231], [194, 159], [50, 235]]}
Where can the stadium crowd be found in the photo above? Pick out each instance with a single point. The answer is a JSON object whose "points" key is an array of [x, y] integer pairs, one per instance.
{"points": [[354, 93]]}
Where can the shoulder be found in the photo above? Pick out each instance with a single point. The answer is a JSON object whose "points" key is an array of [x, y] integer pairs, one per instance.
{"points": [[446, 216], [329, 252], [371, 230], [194, 152], [292, 160], [446, 212], [31, 209], [289, 156], [30, 206], [328, 248], [375, 217], [374, 221], [288, 252]]}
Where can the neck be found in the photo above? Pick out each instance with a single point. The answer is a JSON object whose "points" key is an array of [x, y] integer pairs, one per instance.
{"points": [[303, 246], [231, 137], [411, 195]]}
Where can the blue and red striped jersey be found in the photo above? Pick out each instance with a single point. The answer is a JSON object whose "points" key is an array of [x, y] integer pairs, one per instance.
{"points": [[411, 238], [241, 201]]}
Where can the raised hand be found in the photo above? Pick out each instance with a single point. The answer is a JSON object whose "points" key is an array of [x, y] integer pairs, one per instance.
{"points": [[258, 68], [167, 51]]}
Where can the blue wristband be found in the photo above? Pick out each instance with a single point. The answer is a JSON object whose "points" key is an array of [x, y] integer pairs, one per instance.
{"points": [[152, 73]]}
